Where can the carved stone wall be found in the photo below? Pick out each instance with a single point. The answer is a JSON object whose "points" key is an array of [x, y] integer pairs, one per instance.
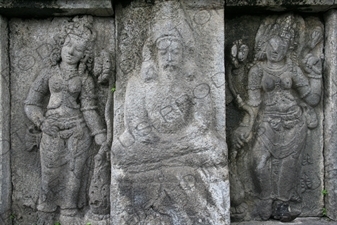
{"points": [[33, 49], [5, 172], [330, 152], [169, 158], [264, 108], [120, 112]]}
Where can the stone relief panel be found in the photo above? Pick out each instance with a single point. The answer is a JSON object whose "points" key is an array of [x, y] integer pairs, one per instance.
{"points": [[330, 153], [274, 79], [61, 75], [169, 156], [5, 173]]}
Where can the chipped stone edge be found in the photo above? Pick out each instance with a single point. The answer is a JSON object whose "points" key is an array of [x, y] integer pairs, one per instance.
{"points": [[330, 122], [5, 172], [273, 6], [56, 8]]}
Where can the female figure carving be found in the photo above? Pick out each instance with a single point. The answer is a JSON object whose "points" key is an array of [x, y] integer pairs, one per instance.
{"points": [[69, 121], [279, 111]]}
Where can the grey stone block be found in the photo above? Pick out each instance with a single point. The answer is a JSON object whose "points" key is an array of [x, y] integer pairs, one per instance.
{"points": [[41, 8], [169, 158], [271, 162], [330, 125], [5, 169], [256, 6], [57, 114]]}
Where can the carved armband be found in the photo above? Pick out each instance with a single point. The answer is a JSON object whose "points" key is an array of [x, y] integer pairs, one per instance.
{"points": [[254, 97], [87, 108], [98, 132], [315, 76], [305, 91]]}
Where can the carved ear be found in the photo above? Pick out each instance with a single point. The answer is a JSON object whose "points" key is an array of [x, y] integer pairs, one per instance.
{"points": [[85, 58]]}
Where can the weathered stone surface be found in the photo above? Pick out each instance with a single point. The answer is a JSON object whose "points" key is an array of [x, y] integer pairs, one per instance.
{"points": [[330, 124], [60, 72], [39, 8], [303, 221], [5, 173], [256, 6], [169, 157], [275, 123]]}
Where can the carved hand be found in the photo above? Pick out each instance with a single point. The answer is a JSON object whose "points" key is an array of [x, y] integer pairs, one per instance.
{"points": [[241, 136], [48, 127], [150, 138], [234, 52], [313, 64], [100, 138], [103, 151], [316, 37]]}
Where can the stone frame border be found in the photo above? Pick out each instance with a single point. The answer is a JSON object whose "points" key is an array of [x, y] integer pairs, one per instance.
{"points": [[39, 8]]}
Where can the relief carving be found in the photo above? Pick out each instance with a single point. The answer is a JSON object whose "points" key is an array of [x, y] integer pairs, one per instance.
{"points": [[168, 164], [62, 104], [283, 87]]}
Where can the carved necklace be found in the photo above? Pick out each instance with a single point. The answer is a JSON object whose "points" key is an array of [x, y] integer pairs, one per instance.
{"points": [[275, 72], [68, 73]]}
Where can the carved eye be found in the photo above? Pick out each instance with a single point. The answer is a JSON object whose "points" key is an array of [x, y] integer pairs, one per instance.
{"points": [[176, 51], [162, 52]]}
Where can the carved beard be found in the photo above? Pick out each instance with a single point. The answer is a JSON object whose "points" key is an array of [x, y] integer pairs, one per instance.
{"points": [[171, 71]]}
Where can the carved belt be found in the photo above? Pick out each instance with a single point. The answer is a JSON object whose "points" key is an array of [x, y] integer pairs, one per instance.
{"points": [[287, 119], [69, 126]]}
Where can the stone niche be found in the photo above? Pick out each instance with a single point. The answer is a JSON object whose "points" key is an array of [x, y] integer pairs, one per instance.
{"points": [[280, 112], [58, 172], [169, 156], [275, 115], [120, 113], [108, 126]]}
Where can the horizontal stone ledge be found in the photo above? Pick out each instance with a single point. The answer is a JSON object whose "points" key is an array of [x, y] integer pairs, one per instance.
{"points": [[43, 8], [298, 221], [257, 6]]}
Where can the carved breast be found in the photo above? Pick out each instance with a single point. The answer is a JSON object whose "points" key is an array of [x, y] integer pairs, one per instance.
{"points": [[74, 85], [64, 92], [278, 95], [270, 82]]}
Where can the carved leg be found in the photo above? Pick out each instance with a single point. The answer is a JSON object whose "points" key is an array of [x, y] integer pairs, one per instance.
{"points": [[49, 173], [79, 154], [262, 179]]}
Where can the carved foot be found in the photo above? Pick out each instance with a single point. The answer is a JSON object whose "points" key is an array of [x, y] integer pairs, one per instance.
{"points": [[71, 220], [239, 212], [45, 218], [69, 212], [283, 212], [95, 219], [264, 208]]}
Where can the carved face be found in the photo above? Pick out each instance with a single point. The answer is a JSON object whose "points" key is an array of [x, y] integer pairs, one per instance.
{"points": [[73, 49], [170, 54], [243, 53], [276, 49]]}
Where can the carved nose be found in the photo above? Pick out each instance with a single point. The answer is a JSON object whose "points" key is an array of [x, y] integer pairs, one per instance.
{"points": [[169, 57], [71, 51]]}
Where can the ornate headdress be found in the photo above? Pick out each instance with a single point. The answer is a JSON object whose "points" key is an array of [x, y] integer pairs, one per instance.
{"points": [[284, 27], [82, 28]]}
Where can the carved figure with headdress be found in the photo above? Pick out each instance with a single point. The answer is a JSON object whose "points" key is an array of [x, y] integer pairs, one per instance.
{"points": [[68, 121], [284, 86]]}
